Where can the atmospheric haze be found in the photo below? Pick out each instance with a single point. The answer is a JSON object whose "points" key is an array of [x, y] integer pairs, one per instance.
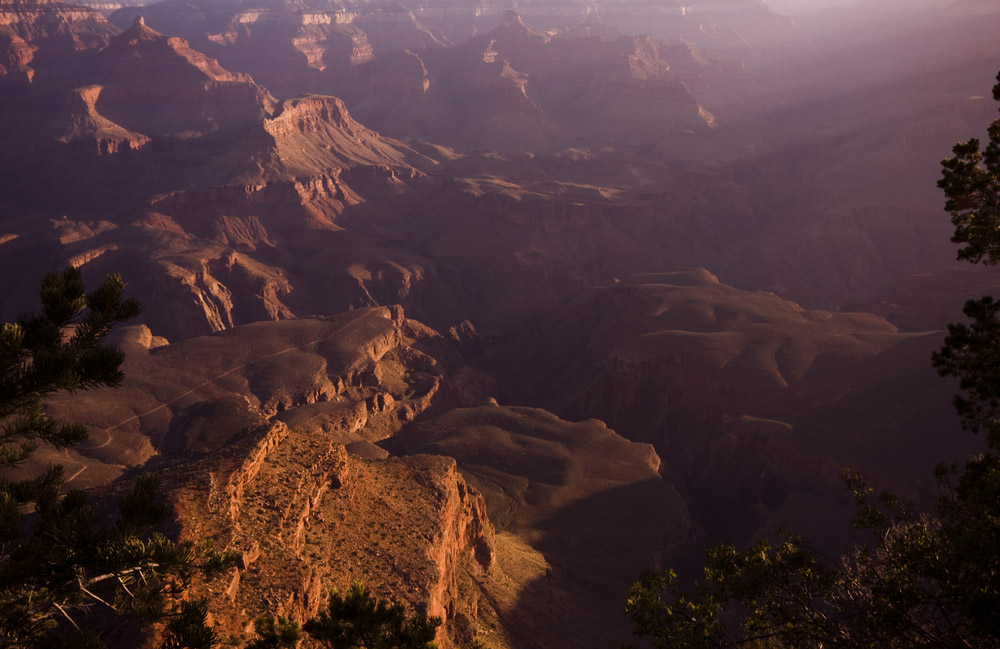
{"points": [[492, 304]]}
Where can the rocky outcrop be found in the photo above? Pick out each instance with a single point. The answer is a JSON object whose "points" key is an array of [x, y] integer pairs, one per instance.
{"points": [[265, 437], [736, 390], [41, 36], [194, 95], [308, 517], [299, 169], [516, 88], [394, 28], [327, 136], [345, 373], [265, 468], [411, 529], [83, 127], [17, 54], [589, 502]]}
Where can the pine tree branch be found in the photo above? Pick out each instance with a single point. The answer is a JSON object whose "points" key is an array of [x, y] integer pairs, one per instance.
{"points": [[124, 587], [66, 615], [84, 590]]}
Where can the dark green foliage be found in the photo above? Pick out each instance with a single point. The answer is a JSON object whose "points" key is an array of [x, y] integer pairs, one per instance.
{"points": [[358, 619], [971, 353], [971, 183], [140, 508], [680, 615], [60, 348], [71, 638], [59, 565], [925, 580], [272, 633], [188, 629]]}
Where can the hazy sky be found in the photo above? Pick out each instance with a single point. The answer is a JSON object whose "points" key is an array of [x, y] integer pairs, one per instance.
{"points": [[804, 6]]}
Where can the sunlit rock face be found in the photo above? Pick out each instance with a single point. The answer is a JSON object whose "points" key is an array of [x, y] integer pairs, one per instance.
{"points": [[479, 507], [491, 306], [84, 127]]}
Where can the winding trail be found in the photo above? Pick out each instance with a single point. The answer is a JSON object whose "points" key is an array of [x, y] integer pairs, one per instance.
{"points": [[201, 385]]}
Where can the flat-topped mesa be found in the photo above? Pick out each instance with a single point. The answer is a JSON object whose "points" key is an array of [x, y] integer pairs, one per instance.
{"points": [[317, 132], [310, 111], [85, 99]]}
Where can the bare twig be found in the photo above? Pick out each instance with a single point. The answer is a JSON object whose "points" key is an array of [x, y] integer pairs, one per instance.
{"points": [[66, 615]]}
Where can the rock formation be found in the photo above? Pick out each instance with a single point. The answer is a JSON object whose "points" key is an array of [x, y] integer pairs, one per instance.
{"points": [[517, 89], [592, 503], [278, 421], [737, 390], [303, 197], [82, 126], [44, 36], [192, 98]]}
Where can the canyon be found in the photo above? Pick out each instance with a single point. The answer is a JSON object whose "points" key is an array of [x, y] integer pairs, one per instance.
{"points": [[493, 305]]}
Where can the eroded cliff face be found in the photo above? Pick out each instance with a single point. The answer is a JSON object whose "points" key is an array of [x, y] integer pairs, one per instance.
{"points": [[264, 437], [299, 168], [265, 467], [209, 237], [744, 395], [41, 37], [518, 89], [344, 368], [309, 516], [84, 127], [295, 208], [288, 48], [195, 98], [326, 120], [575, 498], [281, 210]]}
